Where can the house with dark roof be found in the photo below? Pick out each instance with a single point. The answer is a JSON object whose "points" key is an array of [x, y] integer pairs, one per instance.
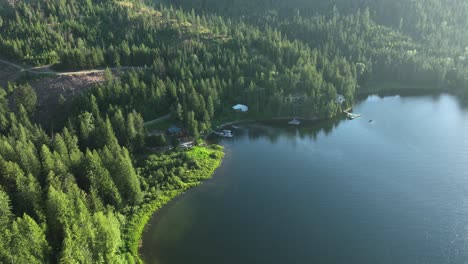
{"points": [[174, 130]]}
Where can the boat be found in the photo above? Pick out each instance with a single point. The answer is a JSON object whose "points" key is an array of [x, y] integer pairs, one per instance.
{"points": [[352, 116], [294, 122], [235, 127], [224, 134]]}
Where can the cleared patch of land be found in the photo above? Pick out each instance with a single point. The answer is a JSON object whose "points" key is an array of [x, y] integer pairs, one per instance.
{"points": [[54, 90], [7, 74], [51, 92]]}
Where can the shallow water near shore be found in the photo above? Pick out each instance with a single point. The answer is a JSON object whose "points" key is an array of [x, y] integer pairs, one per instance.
{"points": [[394, 190]]}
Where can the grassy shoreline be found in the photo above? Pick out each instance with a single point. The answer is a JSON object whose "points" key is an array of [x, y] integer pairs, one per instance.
{"points": [[209, 158]]}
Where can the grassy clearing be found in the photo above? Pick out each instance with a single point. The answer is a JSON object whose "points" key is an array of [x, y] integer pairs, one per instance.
{"points": [[161, 126], [230, 116]]}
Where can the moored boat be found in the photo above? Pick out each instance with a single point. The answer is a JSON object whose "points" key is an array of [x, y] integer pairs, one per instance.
{"points": [[224, 134], [294, 122], [352, 116]]}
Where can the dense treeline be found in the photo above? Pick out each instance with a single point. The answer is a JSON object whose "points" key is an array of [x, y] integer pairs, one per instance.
{"points": [[394, 51], [440, 22], [70, 198], [218, 60], [411, 42]]}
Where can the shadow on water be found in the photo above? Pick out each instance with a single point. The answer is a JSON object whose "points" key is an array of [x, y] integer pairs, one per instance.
{"points": [[404, 93], [274, 129]]}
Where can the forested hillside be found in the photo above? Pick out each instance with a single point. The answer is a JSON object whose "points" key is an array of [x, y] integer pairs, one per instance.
{"points": [[411, 42], [79, 192], [80, 196]]}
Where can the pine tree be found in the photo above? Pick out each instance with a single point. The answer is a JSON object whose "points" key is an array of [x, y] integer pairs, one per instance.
{"points": [[28, 242], [98, 178], [26, 96]]}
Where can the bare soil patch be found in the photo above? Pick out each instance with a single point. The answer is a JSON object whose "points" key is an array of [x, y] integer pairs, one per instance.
{"points": [[7, 74], [50, 89]]}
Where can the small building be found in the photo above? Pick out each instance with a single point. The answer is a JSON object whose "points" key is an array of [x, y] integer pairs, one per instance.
{"points": [[174, 130], [340, 99], [241, 108]]}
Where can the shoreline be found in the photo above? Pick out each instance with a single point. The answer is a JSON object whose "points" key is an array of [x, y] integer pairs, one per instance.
{"points": [[285, 118], [139, 220], [398, 87]]}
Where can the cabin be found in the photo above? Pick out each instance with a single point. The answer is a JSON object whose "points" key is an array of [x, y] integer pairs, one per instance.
{"points": [[174, 130], [241, 108]]}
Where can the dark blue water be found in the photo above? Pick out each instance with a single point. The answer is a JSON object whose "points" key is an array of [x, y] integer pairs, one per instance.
{"points": [[394, 190]]}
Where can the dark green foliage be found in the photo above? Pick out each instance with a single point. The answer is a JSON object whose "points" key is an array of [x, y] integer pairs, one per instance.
{"points": [[67, 199], [156, 141], [25, 96], [417, 43], [99, 180], [76, 196], [27, 242], [199, 64], [5, 214], [4, 109]]}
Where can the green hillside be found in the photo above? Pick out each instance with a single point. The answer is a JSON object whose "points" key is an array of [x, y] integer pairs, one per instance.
{"points": [[81, 190]]}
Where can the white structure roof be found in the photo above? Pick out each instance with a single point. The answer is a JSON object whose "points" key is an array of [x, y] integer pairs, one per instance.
{"points": [[240, 107], [340, 99]]}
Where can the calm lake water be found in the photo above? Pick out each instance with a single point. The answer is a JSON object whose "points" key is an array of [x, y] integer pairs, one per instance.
{"points": [[394, 190]]}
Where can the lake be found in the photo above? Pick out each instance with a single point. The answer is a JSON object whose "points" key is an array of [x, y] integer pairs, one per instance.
{"points": [[394, 190]]}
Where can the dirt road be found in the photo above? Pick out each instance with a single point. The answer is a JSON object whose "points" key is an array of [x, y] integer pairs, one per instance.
{"points": [[47, 71]]}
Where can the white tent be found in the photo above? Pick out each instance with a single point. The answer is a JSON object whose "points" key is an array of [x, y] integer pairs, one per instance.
{"points": [[241, 108]]}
